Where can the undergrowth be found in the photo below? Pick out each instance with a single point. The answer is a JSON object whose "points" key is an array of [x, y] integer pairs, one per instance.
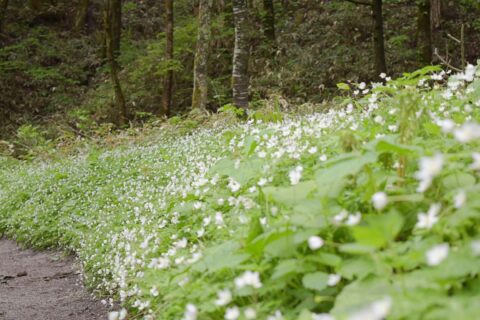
{"points": [[367, 211]]}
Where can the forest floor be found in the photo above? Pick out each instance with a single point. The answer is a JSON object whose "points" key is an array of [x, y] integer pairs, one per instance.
{"points": [[43, 285]]}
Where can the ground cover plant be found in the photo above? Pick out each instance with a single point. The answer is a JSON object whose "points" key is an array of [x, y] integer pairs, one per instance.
{"points": [[367, 211]]}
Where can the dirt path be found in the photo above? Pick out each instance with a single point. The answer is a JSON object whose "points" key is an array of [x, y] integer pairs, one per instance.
{"points": [[42, 286]]}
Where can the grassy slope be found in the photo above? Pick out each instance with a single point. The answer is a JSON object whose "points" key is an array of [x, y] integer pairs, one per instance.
{"points": [[175, 222]]}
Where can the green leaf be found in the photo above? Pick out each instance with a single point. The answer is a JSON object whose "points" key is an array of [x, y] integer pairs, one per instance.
{"points": [[458, 180], [315, 281], [379, 230], [287, 267], [343, 86], [342, 169], [220, 257], [290, 195]]}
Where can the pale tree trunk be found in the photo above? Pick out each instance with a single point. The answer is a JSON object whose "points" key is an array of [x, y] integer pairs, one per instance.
{"points": [[168, 81], [200, 70], [269, 20], [241, 54], [3, 13], [436, 13], [111, 33], [378, 38], [424, 41], [81, 18]]}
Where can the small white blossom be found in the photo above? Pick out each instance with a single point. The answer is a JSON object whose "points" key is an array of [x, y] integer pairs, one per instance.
{"points": [[315, 242], [232, 313], [250, 313], [191, 312], [437, 254], [476, 161], [333, 279], [380, 200], [475, 246], [429, 219], [467, 132], [295, 175], [248, 278], [353, 219], [460, 199], [430, 167]]}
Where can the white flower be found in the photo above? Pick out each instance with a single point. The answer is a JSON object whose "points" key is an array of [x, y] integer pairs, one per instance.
{"points": [[475, 246], [467, 132], [295, 175], [476, 161], [460, 199], [427, 220], [232, 313], [380, 200], [248, 278], [437, 254], [362, 85], [333, 279], [262, 182], [250, 313], [429, 168], [447, 125], [469, 73], [113, 315], [154, 291], [322, 316], [353, 219], [379, 120], [323, 158], [315, 242], [122, 314], [233, 185], [383, 75], [276, 316], [191, 312], [224, 297], [313, 150], [218, 219], [393, 128], [338, 218], [378, 310]]}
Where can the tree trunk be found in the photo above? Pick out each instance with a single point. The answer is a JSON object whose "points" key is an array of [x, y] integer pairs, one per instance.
{"points": [[81, 18], [424, 41], [436, 13], [34, 4], [110, 36], [168, 81], [116, 26], [200, 71], [240, 77], [269, 20], [3, 13], [378, 38]]}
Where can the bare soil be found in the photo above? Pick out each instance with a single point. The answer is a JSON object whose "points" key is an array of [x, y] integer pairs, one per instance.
{"points": [[43, 286]]}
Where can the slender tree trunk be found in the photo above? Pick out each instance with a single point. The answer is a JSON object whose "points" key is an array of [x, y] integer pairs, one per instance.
{"points": [[200, 70], [81, 18], [116, 26], [378, 38], [241, 54], [269, 20], [436, 13], [110, 30], [168, 81], [3, 13], [34, 4], [424, 29]]}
